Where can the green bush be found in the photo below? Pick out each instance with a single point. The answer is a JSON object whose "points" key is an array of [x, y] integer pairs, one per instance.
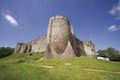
{"points": [[5, 51]]}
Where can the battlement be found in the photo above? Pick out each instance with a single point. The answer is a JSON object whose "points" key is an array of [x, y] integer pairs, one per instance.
{"points": [[58, 18]]}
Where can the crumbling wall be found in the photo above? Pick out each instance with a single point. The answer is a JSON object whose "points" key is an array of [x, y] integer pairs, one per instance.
{"points": [[39, 44], [89, 48], [60, 41], [22, 48], [18, 47], [78, 47]]}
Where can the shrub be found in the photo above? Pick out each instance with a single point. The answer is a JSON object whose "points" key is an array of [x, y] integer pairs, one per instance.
{"points": [[5, 51]]}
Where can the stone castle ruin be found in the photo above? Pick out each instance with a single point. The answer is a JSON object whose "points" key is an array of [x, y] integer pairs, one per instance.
{"points": [[60, 41]]}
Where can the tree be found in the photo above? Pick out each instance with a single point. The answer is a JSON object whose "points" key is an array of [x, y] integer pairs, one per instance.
{"points": [[102, 53], [111, 53], [5, 51]]}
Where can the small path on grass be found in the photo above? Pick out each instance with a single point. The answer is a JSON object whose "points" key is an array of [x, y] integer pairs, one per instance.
{"points": [[100, 70], [45, 66], [48, 66]]}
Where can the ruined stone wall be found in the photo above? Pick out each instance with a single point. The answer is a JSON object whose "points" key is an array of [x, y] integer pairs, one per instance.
{"points": [[78, 47], [18, 47], [89, 48], [39, 44], [60, 41], [22, 48]]}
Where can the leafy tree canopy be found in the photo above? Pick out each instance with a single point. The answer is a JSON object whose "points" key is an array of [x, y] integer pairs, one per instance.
{"points": [[5, 51], [111, 53]]}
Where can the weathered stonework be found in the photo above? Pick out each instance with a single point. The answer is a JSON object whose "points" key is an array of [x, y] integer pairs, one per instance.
{"points": [[37, 45], [60, 41], [22, 48], [89, 48]]}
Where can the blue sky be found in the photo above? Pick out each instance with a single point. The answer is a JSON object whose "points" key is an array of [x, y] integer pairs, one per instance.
{"points": [[25, 20]]}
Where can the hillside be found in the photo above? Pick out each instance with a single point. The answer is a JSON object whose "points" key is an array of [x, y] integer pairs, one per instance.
{"points": [[29, 67]]}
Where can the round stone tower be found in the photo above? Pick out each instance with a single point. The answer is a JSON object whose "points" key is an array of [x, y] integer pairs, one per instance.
{"points": [[59, 33]]}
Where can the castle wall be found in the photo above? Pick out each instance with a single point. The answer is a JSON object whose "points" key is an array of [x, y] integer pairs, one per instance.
{"points": [[89, 48], [60, 41], [18, 47], [22, 48], [78, 47], [39, 44]]}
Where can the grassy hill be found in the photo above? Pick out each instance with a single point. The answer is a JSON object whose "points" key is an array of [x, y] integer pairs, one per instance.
{"points": [[29, 67]]}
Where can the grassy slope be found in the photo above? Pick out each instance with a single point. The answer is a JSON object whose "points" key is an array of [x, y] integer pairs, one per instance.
{"points": [[26, 67]]}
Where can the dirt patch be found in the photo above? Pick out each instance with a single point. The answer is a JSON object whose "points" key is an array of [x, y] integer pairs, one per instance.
{"points": [[68, 64], [48, 66], [45, 66], [100, 70]]}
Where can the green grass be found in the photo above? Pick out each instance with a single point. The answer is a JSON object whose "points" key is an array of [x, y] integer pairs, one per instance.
{"points": [[29, 67]]}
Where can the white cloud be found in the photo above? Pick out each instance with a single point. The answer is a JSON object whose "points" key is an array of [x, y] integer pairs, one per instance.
{"points": [[115, 10], [113, 28], [10, 19]]}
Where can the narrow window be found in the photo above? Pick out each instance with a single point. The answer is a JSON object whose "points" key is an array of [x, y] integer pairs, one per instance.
{"points": [[88, 45], [92, 49]]}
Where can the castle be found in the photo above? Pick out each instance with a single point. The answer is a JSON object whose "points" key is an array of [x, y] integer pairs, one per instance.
{"points": [[60, 41]]}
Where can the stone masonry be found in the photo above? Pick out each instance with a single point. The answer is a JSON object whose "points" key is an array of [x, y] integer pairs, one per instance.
{"points": [[60, 41]]}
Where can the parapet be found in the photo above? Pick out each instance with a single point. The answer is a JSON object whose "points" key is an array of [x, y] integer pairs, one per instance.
{"points": [[58, 18]]}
